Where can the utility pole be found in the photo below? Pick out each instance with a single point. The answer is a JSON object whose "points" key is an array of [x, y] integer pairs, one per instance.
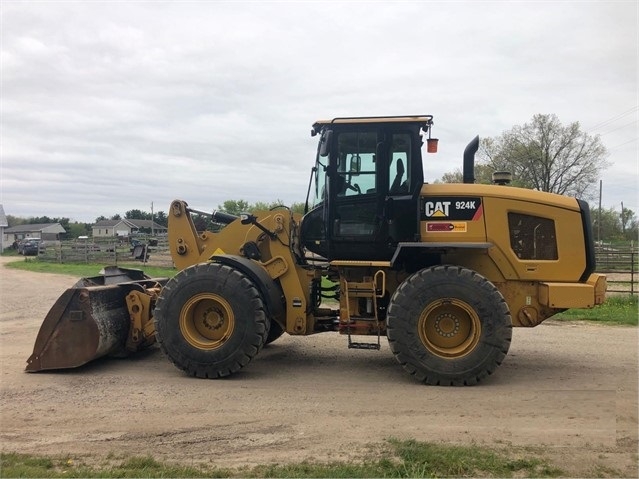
{"points": [[152, 220], [599, 214]]}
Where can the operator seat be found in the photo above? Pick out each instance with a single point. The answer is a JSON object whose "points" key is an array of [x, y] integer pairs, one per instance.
{"points": [[397, 186]]}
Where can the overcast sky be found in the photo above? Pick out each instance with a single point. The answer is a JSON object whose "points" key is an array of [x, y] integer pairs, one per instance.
{"points": [[109, 106]]}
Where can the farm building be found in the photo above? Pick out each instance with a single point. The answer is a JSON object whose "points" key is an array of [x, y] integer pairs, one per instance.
{"points": [[126, 227], [3, 225], [44, 231]]}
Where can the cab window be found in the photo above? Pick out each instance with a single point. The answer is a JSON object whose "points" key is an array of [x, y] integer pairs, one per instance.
{"points": [[356, 163]]}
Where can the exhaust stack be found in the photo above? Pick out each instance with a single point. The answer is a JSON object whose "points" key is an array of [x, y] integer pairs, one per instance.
{"points": [[469, 160]]}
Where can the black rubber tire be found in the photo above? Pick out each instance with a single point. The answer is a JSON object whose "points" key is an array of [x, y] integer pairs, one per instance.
{"points": [[448, 325], [210, 320], [274, 332]]}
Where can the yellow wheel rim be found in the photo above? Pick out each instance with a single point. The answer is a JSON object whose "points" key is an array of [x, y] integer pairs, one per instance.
{"points": [[207, 321], [449, 328]]}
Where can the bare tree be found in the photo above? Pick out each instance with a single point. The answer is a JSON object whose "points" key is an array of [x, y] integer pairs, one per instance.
{"points": [[548, 156]]}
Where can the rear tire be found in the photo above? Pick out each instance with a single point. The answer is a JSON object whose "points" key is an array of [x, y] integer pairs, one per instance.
{"points": [[210, 320], [448, 325]]}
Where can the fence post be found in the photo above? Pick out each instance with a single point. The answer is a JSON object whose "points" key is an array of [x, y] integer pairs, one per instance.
{"points": [[632, 272]]}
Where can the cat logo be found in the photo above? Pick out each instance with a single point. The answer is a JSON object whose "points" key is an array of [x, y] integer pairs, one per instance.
{"points": [[451, 208], [437, 209]]}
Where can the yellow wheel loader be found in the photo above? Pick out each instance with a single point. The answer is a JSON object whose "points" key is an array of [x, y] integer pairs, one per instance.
{"points": [[444, 271]]}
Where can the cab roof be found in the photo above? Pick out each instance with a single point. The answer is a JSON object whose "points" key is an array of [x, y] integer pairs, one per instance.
{"points": [[424, 120]]}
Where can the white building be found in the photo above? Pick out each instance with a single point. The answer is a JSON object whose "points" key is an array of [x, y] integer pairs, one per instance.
{"points": [[3, 224], [126, 227]]}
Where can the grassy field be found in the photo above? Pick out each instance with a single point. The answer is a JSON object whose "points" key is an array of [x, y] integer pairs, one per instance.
{"points": [[392, 459], [616, 310]]}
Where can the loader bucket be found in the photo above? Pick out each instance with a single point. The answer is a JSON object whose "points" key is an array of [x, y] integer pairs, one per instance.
{"points": [[88, 321]]}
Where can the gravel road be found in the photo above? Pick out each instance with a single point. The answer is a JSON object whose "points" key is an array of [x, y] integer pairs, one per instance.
{"points": [[569, 389]]}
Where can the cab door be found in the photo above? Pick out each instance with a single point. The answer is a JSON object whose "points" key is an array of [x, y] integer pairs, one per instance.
{"points": [[357, 184], [405, 181]]}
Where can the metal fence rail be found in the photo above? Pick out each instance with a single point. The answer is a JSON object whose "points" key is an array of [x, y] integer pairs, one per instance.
{"points": [[620, 265]]}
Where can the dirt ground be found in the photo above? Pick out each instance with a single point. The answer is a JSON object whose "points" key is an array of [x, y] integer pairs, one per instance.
{"points": [[566, 390]]}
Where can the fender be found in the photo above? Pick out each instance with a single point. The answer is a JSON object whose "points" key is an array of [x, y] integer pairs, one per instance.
{"points": [[268, 288]]}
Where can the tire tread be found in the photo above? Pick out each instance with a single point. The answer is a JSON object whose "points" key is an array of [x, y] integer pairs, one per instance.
{"points": [[402, 329], [218, 366]]}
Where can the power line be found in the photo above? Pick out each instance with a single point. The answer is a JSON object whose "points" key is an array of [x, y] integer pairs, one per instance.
{"points": [[614, 118], [623, 144], [620, 127]]}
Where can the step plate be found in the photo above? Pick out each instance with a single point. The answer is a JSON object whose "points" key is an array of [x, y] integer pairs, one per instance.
{"points": [[363, 346]]}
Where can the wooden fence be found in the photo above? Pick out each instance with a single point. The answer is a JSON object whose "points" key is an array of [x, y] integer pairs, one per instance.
{"points": [[108, 251]]}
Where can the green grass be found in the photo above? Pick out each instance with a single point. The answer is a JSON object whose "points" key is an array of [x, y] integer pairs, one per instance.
{"points": [[621, 310], [23, 465], [82, 270], [393, 459]]}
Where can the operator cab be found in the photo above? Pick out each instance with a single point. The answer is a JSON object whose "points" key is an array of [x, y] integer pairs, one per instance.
{"points": [[364, 193]]}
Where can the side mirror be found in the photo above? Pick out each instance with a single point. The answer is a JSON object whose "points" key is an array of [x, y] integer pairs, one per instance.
{"points": [[325, 143]]}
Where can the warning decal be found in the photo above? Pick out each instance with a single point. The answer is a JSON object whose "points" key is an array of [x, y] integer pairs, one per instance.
{"points": [[445, 227]]}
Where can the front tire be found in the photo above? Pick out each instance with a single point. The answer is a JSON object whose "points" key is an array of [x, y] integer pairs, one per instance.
{"points": [[448, 325], [210, 320]]}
